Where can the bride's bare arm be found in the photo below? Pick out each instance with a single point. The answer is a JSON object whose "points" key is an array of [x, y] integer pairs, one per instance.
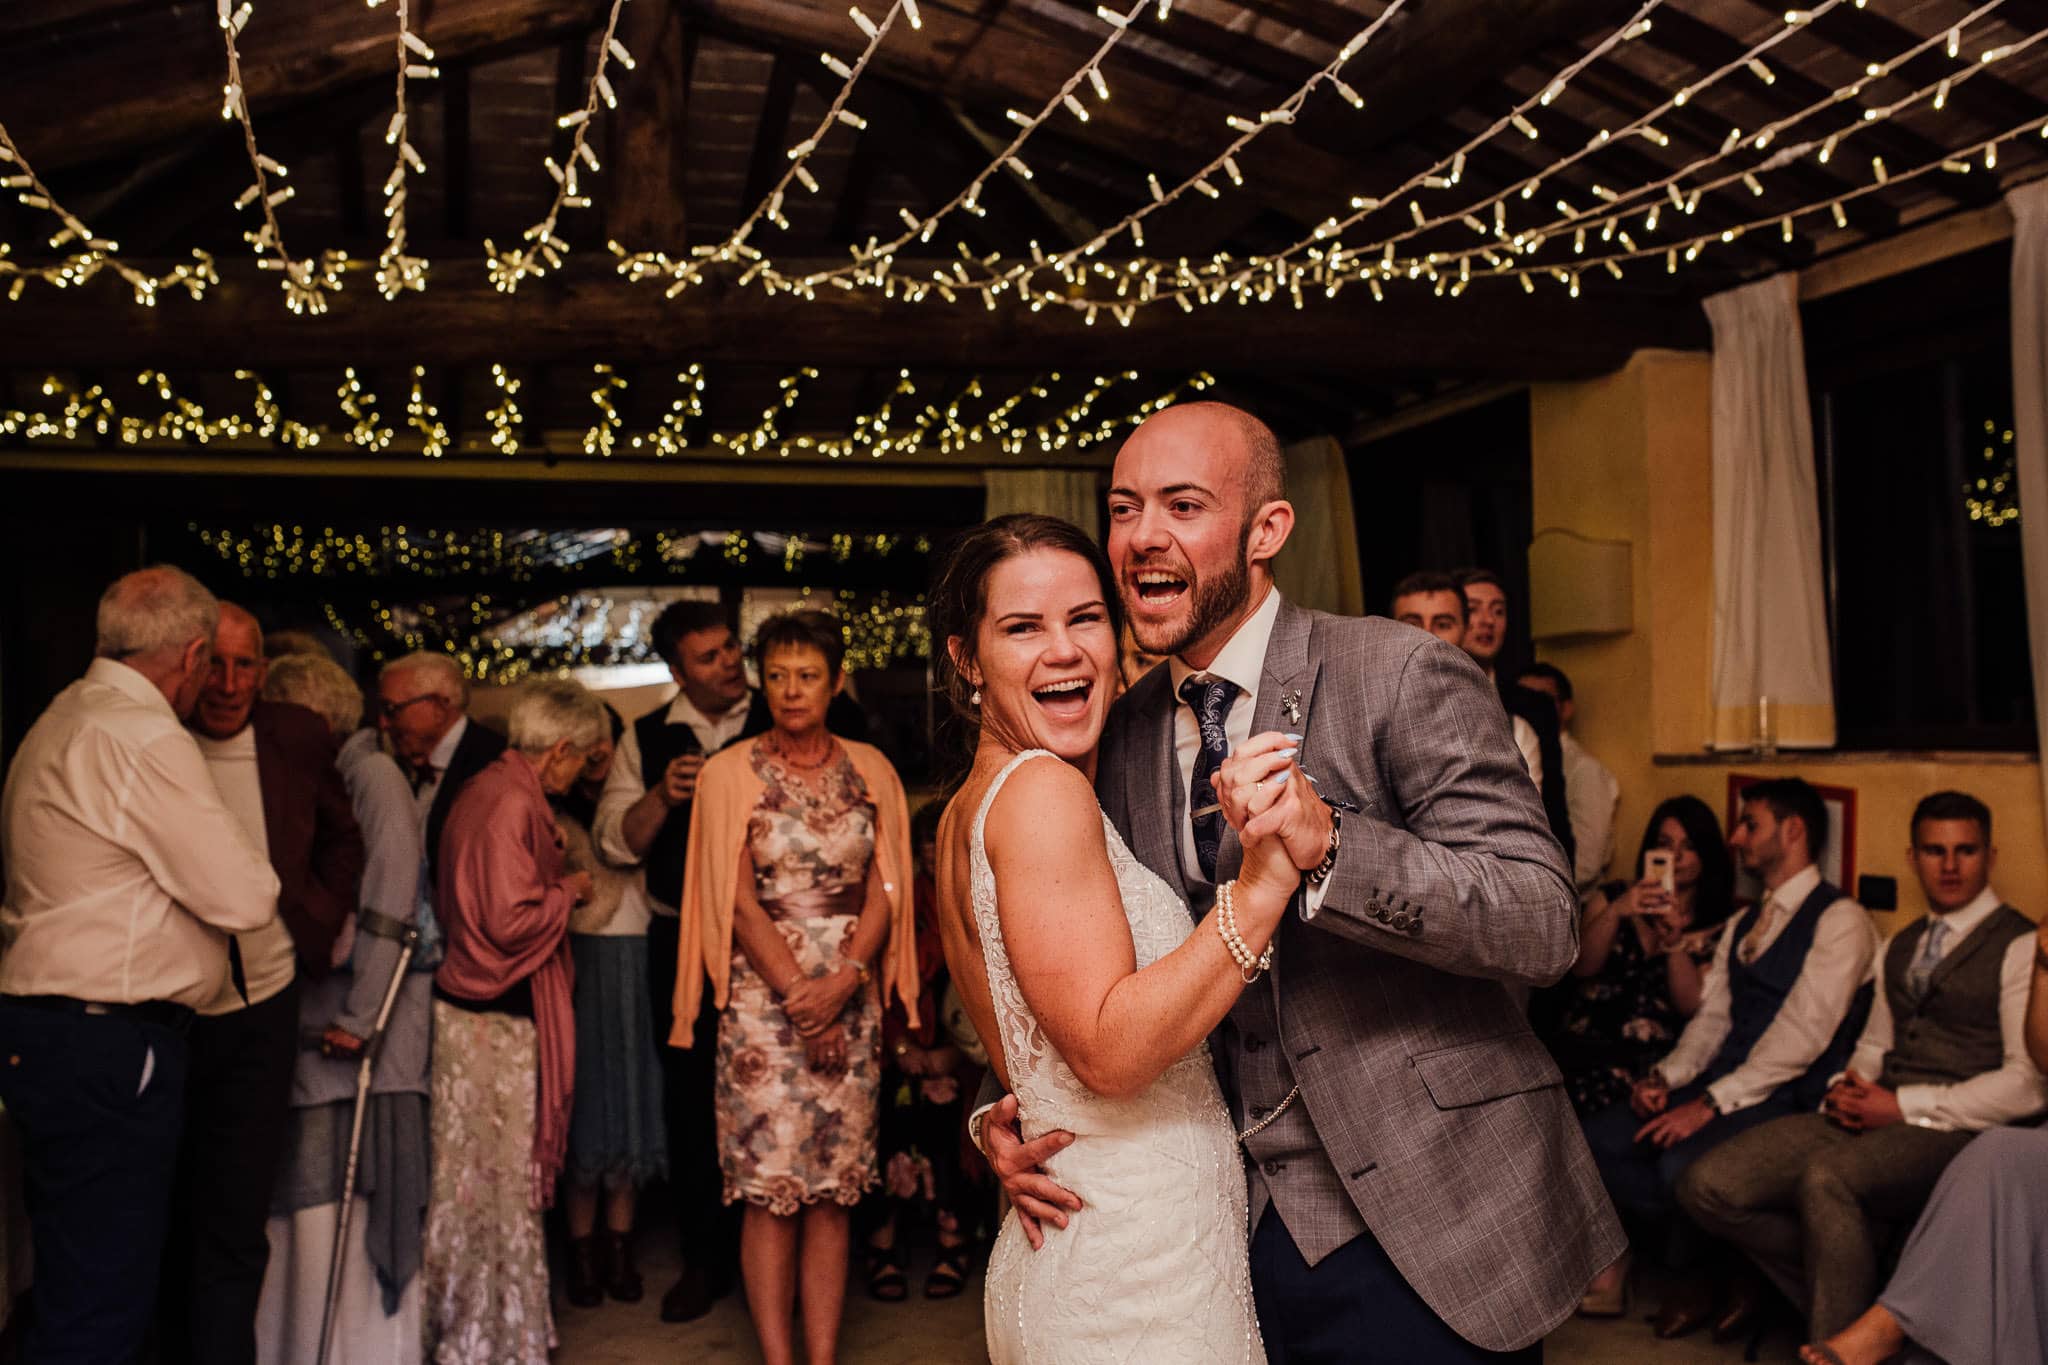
{"points": [[1070, 946]]}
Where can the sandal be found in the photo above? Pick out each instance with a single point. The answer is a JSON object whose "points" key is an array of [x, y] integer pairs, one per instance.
{"points": [[886, 1281], [949, 1273]]}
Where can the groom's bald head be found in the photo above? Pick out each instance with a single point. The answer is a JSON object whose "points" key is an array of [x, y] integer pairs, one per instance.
{"points": [[1249, 451]]}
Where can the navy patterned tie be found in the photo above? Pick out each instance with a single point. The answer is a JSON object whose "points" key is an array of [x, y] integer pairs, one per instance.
{"points": [[1210, 701]]}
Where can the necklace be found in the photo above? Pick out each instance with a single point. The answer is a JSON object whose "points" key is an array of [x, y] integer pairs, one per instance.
{"points": [[777, 745]]}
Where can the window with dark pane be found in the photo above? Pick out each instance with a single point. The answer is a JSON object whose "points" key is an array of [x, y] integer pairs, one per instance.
{"points": [[1911, 384]]}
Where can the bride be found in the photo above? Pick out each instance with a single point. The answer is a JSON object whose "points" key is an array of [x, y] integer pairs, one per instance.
{"points": [[1090, 985]]}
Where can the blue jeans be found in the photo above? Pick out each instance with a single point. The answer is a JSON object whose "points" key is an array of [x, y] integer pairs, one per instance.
{"points": [[1351, 1308], [100, 1100]]}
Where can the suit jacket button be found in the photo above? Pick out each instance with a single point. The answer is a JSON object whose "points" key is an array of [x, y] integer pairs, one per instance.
{"points": [[1401, 921]]}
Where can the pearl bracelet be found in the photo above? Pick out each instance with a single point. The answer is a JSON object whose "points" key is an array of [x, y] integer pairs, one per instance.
{"points": [[1248, 966]]}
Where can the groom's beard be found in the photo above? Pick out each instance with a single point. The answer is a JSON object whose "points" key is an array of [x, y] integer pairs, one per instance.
{"points": [[1215, 602]]}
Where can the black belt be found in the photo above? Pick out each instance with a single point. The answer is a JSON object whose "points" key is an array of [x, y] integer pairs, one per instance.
{"points": [[517, 1002], [163, 1013]]}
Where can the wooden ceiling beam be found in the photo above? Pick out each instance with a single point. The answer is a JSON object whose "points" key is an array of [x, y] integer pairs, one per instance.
{"points": [[586, 313], [1871, 37], [157, 75], [771, 131], [644, 203]]}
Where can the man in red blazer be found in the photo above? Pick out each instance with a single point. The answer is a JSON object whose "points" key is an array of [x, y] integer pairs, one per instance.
{"points": [[274, 766]]}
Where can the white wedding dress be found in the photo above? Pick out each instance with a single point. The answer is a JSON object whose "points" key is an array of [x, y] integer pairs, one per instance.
{"points": [[1154, 1267]]}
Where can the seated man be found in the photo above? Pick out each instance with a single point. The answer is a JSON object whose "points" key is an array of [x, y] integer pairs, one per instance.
{"points": [[1814, 1198], [1784, 1000]]}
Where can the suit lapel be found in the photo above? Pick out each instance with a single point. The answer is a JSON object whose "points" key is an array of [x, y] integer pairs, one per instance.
{"points": [[270, 779], [1288, 671]]}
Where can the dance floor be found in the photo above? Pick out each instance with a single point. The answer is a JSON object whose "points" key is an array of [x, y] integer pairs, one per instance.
{"points": [[918, 1332]]}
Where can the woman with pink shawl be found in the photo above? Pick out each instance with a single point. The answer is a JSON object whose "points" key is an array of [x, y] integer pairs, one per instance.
{"points": [[504, 1037]]}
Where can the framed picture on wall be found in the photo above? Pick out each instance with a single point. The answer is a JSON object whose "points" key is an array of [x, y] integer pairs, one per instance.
{"points": [[1837, 861]]}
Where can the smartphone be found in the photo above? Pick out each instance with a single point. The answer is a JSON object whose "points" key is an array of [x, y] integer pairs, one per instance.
{"points": [[1658, 863]]}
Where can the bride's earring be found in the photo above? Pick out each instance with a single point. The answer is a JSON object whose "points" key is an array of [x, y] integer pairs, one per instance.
{"points": [[975, 698]]}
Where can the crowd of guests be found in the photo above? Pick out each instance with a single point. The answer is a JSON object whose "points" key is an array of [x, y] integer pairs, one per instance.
{"points": [[309, 1023]]}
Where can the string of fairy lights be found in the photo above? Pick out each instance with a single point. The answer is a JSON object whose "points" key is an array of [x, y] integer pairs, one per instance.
{"points": [[903, 424], [1342, 249]]}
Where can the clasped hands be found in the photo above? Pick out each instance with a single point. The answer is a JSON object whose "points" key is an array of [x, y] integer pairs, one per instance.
{"points": [[1667, 1127], [812, 1005], [1858, 1106], [1264, 794]]}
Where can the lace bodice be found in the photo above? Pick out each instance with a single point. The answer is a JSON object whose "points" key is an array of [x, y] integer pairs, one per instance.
{"points": [[1154, 1267]]}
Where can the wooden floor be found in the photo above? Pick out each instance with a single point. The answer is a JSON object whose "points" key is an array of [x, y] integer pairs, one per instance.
{"points": [[923, 1333]]}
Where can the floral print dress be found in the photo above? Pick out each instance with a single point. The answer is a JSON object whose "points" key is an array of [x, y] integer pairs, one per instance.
{"points": [[788, 1134], [1614, 1026]]}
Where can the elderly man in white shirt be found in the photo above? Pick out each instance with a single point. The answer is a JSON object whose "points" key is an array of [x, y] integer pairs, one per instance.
{"points": [[1784, 1000], [126, 874], [1812, 1198]]}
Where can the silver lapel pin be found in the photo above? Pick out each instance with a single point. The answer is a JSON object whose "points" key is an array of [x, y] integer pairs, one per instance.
{"points": [[1290, 706]]}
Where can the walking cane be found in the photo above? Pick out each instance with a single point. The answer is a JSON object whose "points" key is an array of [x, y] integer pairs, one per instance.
{"points": [[406, 942]]}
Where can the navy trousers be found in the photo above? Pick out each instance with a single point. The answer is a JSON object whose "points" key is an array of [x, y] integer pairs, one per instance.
{"points": [[1641, 1179], [1351, 1308], [99, 1100]]}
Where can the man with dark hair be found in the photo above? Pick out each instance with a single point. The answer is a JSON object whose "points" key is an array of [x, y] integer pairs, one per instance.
{"points": [[1814, 1198], [1591, 793], [1486, 627], [1430, 601], [643, 821], [1783, 1002]]}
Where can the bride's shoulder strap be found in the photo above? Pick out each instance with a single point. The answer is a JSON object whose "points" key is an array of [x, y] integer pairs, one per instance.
{"points": [[988, 798]]}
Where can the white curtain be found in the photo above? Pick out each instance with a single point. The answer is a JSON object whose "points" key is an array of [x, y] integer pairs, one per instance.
{"points": [[1770, 604], [1070, 494], [1319, 567], [2029, 205]]}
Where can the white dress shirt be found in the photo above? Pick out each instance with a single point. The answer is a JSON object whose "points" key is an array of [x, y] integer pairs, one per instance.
{"points": [[1531, 747], [1241, 661], [1591, 794], [269, 961], [2016, 1090], [438, 760], [1844, 943], [626, 784], [125, 872]]}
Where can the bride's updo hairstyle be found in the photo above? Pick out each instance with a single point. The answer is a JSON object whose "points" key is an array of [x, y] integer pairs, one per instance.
{"points": [[959, 598]]}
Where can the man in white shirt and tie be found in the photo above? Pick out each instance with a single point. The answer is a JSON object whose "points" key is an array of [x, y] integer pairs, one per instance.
{"points": [[1783, 1002], [1813, 1197], [126, 874]]}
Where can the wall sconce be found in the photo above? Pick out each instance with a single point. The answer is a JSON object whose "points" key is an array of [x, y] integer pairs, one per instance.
{"points": [[1579, 586]]}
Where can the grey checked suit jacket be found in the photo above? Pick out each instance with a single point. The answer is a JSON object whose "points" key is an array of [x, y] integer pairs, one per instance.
{"points": [[1445, 1118]]}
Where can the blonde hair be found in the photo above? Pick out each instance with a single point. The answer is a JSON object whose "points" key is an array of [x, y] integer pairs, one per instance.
{"points": [[319, 684]]}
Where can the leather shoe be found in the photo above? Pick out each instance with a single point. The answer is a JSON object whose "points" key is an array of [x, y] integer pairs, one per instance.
{"points": [[688, 1299], [621, 1276], [1690, 1307], [1746, 1293]]}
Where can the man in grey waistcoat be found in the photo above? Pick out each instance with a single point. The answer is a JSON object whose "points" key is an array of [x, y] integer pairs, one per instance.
{"points": [[1814, 1199], [1420, 1191]]}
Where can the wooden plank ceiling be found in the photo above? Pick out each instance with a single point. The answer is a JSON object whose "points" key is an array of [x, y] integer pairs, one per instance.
{"points": [[117, 104]]}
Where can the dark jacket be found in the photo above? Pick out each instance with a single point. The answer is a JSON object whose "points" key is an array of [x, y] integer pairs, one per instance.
{"points": [[478, 748], [310, 825]]}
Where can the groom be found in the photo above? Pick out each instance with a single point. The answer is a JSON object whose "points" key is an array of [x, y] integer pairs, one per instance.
{"points": [[1419, 1188]]}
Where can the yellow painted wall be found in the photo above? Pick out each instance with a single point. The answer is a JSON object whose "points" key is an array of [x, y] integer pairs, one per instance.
{"points": [[1627, 457]]}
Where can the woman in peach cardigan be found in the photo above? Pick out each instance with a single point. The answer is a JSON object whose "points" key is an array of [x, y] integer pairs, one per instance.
{"points": [[796, 901]]}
